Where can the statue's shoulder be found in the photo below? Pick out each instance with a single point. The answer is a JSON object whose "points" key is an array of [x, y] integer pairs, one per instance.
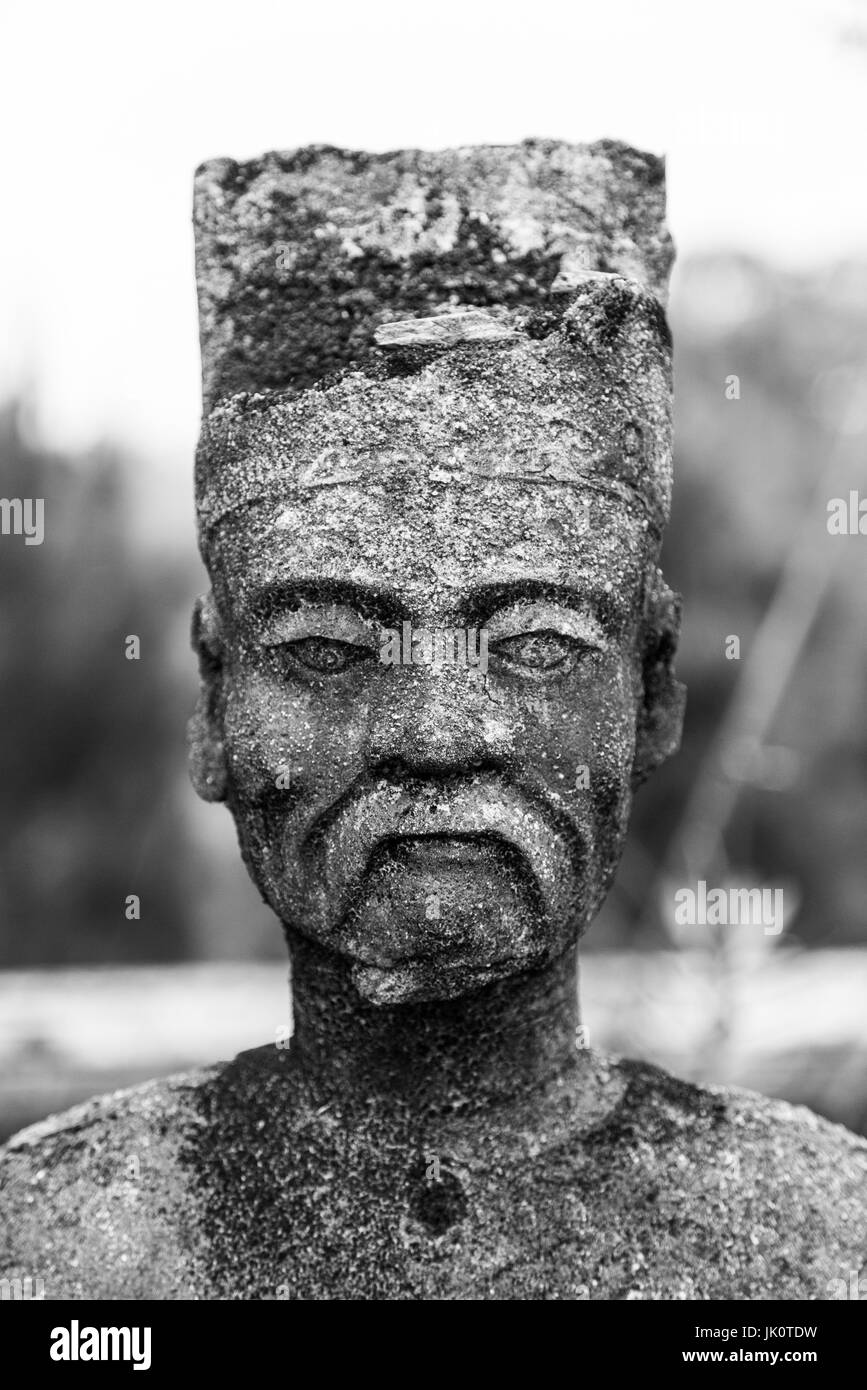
{"points": [[764, 1136], [732, 1194], [94, 1201], [117, 1197]]}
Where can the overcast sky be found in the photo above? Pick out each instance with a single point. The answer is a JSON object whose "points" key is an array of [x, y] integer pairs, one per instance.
{"points": [[759, 106]]}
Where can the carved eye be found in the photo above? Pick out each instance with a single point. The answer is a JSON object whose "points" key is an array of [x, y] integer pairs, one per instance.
{"points": [[544, 652], [326, 655]]}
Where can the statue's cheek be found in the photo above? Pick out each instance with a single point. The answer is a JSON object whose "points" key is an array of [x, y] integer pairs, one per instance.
{"points": [[586, 720], [287, 746]]}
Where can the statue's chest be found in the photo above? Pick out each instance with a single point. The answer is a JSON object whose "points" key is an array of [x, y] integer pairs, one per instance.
{"points": [[536, 1208], [405, 1221]]}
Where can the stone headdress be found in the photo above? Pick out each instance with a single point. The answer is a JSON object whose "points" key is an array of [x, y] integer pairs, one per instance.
{"points": [[479, 312]]}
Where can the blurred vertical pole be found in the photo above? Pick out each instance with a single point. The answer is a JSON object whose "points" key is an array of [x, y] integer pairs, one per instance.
{"points": [[697, 846]]}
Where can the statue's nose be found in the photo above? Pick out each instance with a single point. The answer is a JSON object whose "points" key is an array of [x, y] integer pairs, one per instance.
{"points": [[429, 720]]}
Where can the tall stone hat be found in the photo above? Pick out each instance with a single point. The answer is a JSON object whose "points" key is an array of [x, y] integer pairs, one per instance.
{"points": [[473, 313]]}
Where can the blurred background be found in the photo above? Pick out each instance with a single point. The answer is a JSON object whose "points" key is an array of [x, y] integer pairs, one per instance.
{"points": [[760, 112]]}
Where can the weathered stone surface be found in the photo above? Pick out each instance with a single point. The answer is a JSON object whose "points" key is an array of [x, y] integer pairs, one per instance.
{"points": [[489, 482], [301, 255], [459, 326], [434, 840], [493, 419], [613, 1181]]}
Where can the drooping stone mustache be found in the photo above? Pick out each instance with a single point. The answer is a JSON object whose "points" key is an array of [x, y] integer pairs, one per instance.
{"points": [[338, 849]]}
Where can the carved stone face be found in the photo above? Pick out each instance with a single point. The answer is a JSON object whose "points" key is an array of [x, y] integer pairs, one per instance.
{"points": [[447, 408], [439, 825]]}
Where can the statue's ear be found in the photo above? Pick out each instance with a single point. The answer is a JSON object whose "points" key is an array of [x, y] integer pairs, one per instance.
{"points": [[207, 758], [660, 718]]}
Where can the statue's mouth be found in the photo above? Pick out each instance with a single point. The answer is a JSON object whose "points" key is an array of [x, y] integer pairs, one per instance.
{"points": [[386, 850], [443, 851], [440, 895], [461, 865]]}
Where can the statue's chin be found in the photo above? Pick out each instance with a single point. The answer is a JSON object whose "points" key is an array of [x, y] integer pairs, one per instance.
{"points": [[420, 981], [419, 934]]}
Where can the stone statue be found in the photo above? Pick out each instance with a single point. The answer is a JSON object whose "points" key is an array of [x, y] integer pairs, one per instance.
{"points": [[437, 405]]}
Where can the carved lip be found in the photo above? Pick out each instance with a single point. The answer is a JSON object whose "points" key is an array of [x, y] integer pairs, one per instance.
{"points": [[487, 825], [461, 849]]}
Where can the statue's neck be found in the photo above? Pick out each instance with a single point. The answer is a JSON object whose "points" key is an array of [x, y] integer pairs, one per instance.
{"points": [[495, 1044]]}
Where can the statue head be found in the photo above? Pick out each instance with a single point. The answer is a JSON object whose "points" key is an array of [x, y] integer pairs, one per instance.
{"points": [[436, 658]]}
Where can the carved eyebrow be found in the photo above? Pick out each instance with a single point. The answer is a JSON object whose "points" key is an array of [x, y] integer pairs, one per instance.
{"points": [[527, 616], [611, 607], [268, 600]]}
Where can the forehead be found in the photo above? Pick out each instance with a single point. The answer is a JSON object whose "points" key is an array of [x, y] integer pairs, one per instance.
{"points": [[432, 545]]}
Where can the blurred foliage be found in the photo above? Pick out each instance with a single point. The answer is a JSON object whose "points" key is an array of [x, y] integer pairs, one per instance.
{"points": [[90, 743], [94, 802], [746, 474]]}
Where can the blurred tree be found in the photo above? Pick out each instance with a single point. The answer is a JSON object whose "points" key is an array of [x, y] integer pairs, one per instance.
{"points": [[750, 469], [91, 744]]}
